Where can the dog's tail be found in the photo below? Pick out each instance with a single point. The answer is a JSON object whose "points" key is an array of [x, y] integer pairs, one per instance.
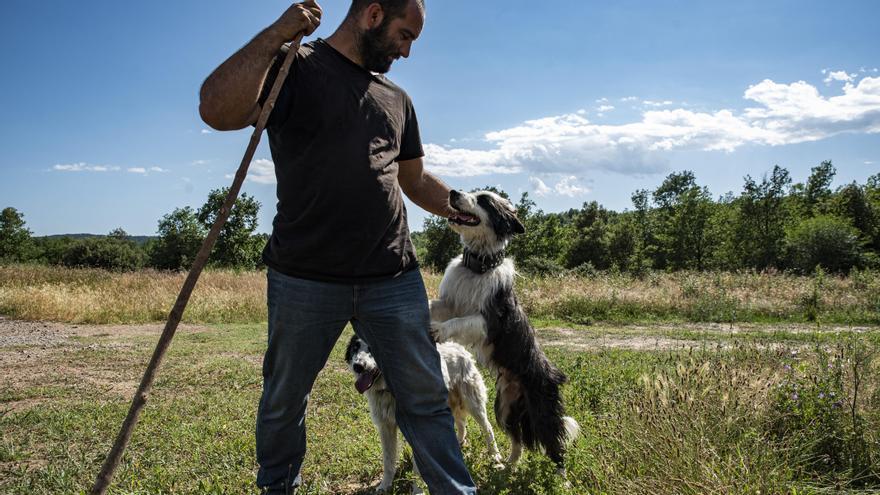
{"points": [[571, 429]]}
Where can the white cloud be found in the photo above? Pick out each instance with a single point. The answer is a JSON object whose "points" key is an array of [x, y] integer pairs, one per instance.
{"points": [[629, 98], [605, 108], [262, 171], [839, 75], [570, 187], [84, 167], [201, 162], [566, 186], [538, 185], [650, 103], [206, 131], [868, 162], [146, 171], [565, 144], [602, 100], [462, 162]]}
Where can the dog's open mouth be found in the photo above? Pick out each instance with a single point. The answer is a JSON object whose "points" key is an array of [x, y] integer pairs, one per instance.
{"points": [[464, 219], [365, 380]]}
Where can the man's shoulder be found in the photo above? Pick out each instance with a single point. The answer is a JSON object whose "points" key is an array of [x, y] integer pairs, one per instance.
{"points": [[305, 50], [387, 82]]}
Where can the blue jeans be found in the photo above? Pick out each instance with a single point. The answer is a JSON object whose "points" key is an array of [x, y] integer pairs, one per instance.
{"points": [[306, 319]]}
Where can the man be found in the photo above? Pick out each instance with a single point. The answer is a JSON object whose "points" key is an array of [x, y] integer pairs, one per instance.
{"points": [[345, 141]]}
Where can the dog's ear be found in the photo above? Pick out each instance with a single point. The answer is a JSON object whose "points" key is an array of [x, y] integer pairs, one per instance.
{"points": [[502, 215], [352, 347], [518, 227]]}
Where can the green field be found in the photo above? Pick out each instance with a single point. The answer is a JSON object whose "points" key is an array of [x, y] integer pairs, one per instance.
{"points": [[772, 410], [783, 398]]}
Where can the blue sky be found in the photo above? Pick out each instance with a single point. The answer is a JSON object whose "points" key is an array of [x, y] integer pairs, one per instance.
{"points": [[572, 101]]}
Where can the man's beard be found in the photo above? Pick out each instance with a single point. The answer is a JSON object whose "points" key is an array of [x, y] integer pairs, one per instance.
{"points": [[376, 50]]}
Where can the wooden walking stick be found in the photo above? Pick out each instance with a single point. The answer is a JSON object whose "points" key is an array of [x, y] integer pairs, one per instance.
{"points": [[140, 397]]}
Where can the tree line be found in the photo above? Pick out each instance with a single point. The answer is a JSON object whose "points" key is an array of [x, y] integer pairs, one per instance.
{"points": [[178, 238], [771, 224]]}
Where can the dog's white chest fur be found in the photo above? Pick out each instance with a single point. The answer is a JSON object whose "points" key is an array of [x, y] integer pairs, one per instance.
{"points": [[466, 292]]}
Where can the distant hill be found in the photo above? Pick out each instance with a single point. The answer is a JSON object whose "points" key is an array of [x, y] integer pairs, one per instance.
{"points": [[140, 239]]}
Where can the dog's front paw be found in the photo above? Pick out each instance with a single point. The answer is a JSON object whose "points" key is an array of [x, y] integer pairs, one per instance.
{"points": [[438, 331], [383, 487]]}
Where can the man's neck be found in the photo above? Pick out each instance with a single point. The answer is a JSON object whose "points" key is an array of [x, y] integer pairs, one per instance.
{"points": [[344, 41]]}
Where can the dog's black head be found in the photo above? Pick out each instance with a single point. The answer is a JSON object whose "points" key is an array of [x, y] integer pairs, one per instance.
{"points": [[363, 365], [484, 220]]}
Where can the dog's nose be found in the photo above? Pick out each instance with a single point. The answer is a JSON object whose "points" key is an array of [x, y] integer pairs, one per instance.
{"points": [[358, 368], [453, 194]]}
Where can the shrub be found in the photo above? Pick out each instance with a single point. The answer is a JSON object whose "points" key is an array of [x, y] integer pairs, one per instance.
{"points": [[110, 253], [537, 265], [824, 240], [816, 415]]}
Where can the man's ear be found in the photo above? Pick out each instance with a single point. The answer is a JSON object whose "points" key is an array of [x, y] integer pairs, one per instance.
{"points": [[373, 16]]}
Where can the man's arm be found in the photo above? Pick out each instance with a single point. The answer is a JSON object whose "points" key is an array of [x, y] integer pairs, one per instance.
{"points": [[229, 98], [423, 187]]}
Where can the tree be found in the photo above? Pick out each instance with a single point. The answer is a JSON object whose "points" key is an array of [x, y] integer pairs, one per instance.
{"points": [[234, 247], [15, 239], [440, 243], [683, 210], [761, 220], [590, 244], [645, 245], [180, 237], [851, 202], [818, 187], [622, 242], [546, 236]]}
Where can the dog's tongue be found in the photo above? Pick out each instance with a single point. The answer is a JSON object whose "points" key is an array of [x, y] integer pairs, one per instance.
{"points": [[364, 382]]}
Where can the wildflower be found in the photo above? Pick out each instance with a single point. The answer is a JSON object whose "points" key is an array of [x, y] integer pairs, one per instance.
{"points": [[794, 396], [787, 367], [821, 395]]}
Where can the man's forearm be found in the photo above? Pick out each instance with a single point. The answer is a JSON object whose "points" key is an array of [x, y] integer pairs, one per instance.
{"points": [[230, 95], [430, 194]]}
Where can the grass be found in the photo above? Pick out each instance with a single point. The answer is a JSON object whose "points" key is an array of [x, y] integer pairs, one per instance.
{"points": [[720, 419], [96, 296]]}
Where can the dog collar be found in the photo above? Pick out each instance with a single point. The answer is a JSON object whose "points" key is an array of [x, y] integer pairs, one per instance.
{"points": [[481, 264]]}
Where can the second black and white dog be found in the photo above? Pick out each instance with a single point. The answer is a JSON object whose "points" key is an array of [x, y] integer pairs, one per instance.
{"points": [[467, 395], [477, 307]]}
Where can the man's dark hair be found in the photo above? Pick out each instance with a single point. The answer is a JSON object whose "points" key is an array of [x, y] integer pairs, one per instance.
{"points": [[392, 8]]}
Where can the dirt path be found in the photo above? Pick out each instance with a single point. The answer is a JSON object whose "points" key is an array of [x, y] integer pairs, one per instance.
{"points": [[34, 353], [48, 334], [32, 336]]}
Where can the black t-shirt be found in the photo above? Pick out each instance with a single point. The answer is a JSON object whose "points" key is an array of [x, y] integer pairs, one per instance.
{"points": [[336, 134]]}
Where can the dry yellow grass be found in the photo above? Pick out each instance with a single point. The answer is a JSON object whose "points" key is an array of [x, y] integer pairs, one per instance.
{"points": [[96, 296]]}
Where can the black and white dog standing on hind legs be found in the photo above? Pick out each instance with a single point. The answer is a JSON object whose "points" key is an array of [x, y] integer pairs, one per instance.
{"points": [[467, 395], [478, 308]]}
